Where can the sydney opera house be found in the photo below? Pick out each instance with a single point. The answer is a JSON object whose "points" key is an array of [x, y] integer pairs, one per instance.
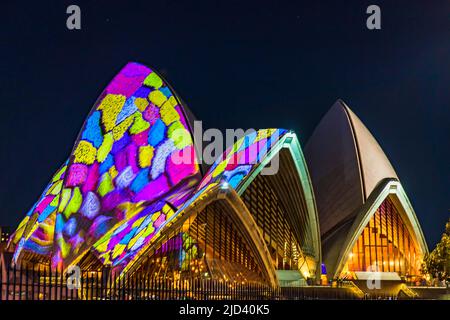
{"points": [[133, 197]]}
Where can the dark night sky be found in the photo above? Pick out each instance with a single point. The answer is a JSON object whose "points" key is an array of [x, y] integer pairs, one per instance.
{"points": [[237, 65]]}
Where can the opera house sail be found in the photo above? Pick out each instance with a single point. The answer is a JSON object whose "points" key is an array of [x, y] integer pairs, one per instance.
{"points": [[367, 222], [134, 200], [132, 197]]}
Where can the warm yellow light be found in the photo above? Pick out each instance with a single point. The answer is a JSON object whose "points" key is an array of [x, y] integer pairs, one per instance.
{"points": [[350, 255]]}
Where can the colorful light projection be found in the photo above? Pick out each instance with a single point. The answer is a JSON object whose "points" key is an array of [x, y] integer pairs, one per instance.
{"points": [[123, 242], [231, 168], [142, 223], [124, 180], [128, 242], [35, 232], [238, 161], [128, 153], [178, 252]]}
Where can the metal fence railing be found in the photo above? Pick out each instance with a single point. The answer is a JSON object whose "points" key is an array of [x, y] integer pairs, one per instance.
{"points": [[47, 284]]}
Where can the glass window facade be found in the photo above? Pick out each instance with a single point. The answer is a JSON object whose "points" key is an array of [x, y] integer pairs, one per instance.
{"points": [[209, 245], [270, 215], [385, 245]]}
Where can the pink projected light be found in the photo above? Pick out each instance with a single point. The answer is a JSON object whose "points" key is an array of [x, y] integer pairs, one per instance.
{"points": [[122, 160]]}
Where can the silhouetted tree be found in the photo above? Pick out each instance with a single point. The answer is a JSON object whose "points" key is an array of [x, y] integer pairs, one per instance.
{"points": [[437, 262]]}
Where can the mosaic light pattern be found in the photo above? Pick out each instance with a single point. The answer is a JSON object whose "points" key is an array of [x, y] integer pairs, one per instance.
{"points": [[133, 169], [239, 159], [122, 243], [127, 155], [35, 232], [129, 238], [232, 168]]}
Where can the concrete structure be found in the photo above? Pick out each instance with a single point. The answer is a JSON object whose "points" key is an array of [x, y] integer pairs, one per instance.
{"points": [[356, 187], [124, 202]]}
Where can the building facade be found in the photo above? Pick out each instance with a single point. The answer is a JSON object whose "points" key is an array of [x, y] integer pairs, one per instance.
{"points": [[133, 198], [367, 222]]}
